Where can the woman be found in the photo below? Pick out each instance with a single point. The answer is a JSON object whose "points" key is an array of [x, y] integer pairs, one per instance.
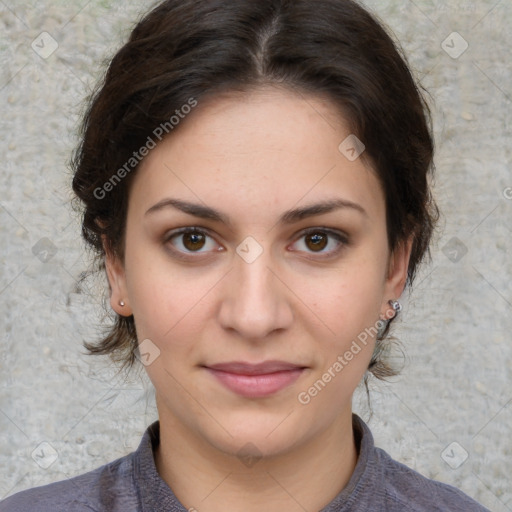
{"points": [[255, 179]]}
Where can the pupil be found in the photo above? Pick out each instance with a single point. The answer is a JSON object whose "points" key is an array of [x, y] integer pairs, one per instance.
{"points": [[318, 241], [194, 241]]}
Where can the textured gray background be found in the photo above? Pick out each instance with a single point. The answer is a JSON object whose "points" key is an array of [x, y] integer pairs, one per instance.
{"points": [[455, 327]]}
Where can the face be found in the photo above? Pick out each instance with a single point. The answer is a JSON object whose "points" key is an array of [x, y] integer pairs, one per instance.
{"points": [[256, 259]]}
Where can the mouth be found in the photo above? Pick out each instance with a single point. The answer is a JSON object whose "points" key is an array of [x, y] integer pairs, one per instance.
{"points": [[256, 380]]}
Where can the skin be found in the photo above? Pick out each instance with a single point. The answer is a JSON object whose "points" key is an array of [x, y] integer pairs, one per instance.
{"points": [[253, 157]]}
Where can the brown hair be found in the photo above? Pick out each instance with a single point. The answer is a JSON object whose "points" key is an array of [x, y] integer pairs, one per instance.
{"points": [[183, 50]]}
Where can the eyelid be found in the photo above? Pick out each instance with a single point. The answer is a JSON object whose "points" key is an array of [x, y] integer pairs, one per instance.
{"points": [[188, 229], [339, 235]]}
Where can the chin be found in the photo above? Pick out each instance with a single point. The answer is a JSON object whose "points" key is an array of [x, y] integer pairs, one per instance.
{"points": [[256, 436]]}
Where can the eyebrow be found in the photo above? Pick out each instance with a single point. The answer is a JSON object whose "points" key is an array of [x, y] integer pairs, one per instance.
{"points": [[288, 217]]}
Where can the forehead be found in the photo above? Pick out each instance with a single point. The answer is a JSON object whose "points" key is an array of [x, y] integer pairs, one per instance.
{"points": [[261, 152]]}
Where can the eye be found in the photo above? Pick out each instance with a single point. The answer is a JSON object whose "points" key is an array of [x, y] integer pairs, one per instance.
{"points": [[192, 240], [322, 241]]}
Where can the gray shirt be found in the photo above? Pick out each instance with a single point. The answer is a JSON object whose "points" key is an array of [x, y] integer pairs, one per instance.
{"points": [[132, 484]]}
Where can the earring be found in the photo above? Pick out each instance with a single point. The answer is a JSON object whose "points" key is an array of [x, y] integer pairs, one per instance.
{"points": [[395, 305], [121, 303]]}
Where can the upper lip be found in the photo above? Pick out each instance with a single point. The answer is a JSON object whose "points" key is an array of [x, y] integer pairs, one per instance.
{"points": [[243, 368]]}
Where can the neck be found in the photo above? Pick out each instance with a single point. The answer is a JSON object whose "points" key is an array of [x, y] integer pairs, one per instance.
{"points": [[308, 477]]}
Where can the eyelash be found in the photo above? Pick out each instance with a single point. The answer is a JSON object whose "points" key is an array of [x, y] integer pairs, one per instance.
{"points": [[341, 238]]}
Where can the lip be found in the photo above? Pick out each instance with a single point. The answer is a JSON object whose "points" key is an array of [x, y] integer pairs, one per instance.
{"points": [[256, 380]]}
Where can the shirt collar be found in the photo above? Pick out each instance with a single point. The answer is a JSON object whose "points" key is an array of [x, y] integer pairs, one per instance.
{"points": [[155, 495]]}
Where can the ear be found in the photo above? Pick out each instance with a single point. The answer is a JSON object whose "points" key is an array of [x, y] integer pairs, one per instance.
{"points": [[117, 280], [397, 273]]}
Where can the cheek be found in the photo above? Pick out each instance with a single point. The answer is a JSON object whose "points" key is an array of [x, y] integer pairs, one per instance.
{"points": [[349, 297], [163, 305], [346, 308], [170, 305]]}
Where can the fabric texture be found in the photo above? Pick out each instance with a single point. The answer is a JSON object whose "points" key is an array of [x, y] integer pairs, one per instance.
{"points": [[132, 484]]}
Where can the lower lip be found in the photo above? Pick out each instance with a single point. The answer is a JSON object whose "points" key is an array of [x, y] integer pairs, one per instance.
{"points": [[256, 386]]}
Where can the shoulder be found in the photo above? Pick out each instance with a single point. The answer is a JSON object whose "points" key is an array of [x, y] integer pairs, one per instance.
{"points": [[410, 490], [382, 483], [95, 491]]}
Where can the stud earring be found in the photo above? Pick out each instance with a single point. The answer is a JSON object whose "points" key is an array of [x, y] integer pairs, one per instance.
{"points": [[395, 305], [121, 303]]}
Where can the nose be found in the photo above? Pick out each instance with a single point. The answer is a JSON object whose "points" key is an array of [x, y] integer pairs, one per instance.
{"points": [[255, 301]]}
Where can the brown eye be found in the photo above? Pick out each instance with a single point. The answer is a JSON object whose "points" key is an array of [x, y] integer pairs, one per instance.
{"points": [[193, 241], [316, 241], [323, 242]]}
